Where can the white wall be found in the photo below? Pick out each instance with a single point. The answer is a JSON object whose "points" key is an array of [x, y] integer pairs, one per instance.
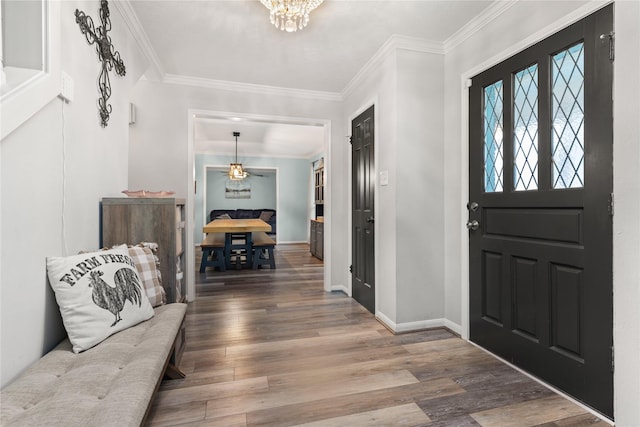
{"points": [[494, 42], [159, 149], [406, 87], [55, 169], [378, 88], [420, 189], [626, 228]]}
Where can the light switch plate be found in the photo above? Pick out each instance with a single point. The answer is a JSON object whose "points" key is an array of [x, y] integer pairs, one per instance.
{"points": [[384, 178]]}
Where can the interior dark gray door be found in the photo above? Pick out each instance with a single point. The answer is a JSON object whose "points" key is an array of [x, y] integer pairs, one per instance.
{"points": [[363, 182], [540, 220]]}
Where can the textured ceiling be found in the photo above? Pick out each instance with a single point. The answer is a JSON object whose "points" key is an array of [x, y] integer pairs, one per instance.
{"points": [[234, 41]]}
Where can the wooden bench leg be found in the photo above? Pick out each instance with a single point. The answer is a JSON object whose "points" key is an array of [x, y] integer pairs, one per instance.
{"points": [[272, 259], [173, 372], [219, 260], [206, 252], [256, 258], [264, 255]]}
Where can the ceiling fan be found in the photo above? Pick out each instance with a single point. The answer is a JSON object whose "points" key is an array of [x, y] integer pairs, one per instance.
{"points": [[236, 172]]}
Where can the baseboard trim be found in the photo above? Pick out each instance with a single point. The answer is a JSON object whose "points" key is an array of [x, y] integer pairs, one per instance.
{"points": [[454, 327], [340, 288], [399, 328]]}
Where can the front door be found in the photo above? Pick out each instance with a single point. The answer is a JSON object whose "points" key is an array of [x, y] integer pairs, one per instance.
{"points": [[540, 210], [363, 182]]}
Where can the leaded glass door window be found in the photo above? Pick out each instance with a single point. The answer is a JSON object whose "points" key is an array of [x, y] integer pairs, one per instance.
{"points": [[525, 129], [566, 130], [568, 117]]}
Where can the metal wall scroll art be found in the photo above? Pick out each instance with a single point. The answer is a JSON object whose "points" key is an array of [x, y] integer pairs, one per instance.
{"points": [[109, 57]]}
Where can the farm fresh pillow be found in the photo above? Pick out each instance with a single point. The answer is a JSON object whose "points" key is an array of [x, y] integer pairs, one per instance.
{"points": [[99, 294]]}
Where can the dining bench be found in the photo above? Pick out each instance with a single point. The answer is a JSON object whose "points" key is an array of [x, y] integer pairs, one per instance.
{"points": [[213, 252], [263, 246]]}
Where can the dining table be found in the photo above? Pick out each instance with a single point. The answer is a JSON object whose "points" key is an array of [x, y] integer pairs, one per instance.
{"points": [[235, 227]]}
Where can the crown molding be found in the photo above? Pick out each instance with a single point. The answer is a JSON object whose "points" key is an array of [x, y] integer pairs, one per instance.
{"points": [[250, 87], [393, 43], [155, 71], [566, 20], [492, 12]]}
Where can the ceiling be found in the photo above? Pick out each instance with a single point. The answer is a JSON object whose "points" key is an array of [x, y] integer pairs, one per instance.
{"points": [[234, 41], [257, 138]]}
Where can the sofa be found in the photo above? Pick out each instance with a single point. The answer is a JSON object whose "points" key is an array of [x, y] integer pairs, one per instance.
{"points": [[246, 214], [111, 384]]}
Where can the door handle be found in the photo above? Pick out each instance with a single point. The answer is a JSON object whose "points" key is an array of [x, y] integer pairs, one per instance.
{"points": [[370, 220], [473, 225]]}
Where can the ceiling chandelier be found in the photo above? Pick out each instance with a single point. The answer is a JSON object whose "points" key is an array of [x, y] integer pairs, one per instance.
{"points": [[290, 15], [236, 172]]}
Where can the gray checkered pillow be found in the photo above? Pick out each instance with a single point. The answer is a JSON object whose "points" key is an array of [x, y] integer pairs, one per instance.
{"points": [[147, 265]]}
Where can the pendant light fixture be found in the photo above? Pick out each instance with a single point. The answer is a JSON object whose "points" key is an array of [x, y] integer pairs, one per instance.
{"points": [[236, 172]]}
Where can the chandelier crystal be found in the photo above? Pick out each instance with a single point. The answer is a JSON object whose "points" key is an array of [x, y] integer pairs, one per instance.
{"points": [[290, 15]]}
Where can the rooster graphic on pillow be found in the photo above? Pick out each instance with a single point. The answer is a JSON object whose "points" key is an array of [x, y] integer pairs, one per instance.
{"points": [[113, 298]]}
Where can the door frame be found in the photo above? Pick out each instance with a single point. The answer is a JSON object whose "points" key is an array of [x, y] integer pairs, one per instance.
{"points": [[192, 115], [465, 83], [372, 101]]}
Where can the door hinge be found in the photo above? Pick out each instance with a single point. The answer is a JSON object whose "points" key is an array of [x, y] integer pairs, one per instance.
{"points": [[351, 268], [612, 359], [612, 43], [610, 207], [350, 140]]}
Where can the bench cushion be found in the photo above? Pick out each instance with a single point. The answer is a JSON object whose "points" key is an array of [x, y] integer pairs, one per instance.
{"points": [[111, 384]]}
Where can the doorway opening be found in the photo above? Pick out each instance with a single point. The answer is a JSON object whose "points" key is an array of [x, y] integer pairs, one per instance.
{"points": [[285, 144]]}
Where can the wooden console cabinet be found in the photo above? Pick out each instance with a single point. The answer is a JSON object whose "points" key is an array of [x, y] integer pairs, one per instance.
{"points": [[160, 220], [316, 239]]}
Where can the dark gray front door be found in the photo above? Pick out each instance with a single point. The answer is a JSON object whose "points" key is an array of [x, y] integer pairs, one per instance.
{"points": [[540, 224], [363, 182]]}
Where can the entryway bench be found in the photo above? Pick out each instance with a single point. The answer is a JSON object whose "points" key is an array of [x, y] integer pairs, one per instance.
{"points": [[111, 384]]}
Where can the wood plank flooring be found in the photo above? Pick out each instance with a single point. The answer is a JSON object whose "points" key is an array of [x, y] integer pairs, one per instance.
{"points": [[271, 348]]}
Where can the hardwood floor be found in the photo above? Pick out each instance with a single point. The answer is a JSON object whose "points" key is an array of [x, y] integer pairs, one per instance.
{"points": [[271, 348]]}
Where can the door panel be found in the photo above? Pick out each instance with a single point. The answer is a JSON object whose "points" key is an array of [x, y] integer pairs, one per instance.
{"points": [[363, 275], [540, 170]]}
